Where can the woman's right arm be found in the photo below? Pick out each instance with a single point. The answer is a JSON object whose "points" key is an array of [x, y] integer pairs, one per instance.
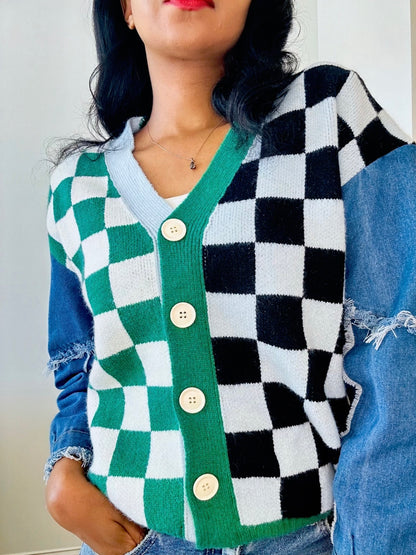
{"points": [[71, 348], [71, 499], [75, 503]]}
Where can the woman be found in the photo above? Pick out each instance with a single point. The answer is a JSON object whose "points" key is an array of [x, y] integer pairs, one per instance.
{"points": [[198, 289]]}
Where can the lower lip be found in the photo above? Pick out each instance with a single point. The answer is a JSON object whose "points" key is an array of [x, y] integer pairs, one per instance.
{"points": [[190, 5]]}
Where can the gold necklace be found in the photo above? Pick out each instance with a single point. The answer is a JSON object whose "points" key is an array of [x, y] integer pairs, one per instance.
{"points": [[191, 160]]}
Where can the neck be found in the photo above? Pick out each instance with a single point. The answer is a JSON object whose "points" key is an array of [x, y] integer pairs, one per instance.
{"points": [[182, 91]]}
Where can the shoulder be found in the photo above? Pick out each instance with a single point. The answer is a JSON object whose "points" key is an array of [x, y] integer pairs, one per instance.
{"points": [[316, 83], [330, 96], [69, 182], [324, 79], [88, 162], [311, 87], [64, 170], [310, 100], [329, 116]]}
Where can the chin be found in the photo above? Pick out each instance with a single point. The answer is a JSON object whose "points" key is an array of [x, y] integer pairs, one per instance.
{"points": [[198, 43]]}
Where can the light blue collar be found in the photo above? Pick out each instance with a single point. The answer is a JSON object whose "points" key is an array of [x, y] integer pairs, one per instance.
{"points": [[141, 197]]}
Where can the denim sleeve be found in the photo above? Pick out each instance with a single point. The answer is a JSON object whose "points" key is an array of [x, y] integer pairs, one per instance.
{"points": [[375, 481], [71, 349]]}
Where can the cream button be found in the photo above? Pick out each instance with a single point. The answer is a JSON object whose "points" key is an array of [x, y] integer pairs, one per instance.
{"points": [[173, 229], [205, 487], [183, 315], [192, 400]]}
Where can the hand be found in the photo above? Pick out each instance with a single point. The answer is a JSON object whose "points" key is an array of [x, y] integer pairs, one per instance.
{"points": [[82, 509]]}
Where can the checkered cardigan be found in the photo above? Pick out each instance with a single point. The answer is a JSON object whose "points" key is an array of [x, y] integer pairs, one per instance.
{"points": [[262, 263]]}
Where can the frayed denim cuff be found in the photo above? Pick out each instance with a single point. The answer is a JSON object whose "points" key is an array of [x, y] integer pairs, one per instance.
{"points": [[74, 351], [73, 452], [72, 444]]}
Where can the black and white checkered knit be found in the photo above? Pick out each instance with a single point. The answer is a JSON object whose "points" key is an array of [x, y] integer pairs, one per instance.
{"points": [[274, 285]]}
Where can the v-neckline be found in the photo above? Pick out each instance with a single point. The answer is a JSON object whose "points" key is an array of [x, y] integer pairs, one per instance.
{"points": [[142, 199]]}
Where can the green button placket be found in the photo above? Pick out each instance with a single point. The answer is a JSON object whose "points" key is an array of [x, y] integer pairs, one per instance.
{"points": [[191, 353]]}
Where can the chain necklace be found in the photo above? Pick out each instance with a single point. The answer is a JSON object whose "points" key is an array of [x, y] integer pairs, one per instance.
{"points": [[191, 160]]}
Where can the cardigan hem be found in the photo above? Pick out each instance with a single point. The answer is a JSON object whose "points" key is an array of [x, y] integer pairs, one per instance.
{"points": [[247, 534]]}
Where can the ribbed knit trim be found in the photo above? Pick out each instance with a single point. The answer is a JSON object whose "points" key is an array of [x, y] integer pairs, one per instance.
{"points": [[139, 194], [191, 348], [132, 184]]}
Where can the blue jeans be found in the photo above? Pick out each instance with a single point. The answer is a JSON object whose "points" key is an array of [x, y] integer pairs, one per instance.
{"points": [[313, 539]]}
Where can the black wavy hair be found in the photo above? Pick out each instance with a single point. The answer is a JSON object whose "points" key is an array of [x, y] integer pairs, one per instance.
{"points": [[257, 71]]}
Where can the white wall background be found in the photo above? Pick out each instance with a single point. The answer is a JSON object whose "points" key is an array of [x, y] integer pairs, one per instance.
{"points": [[374, 38], [46, 56], [377, 38], [304, 37]]}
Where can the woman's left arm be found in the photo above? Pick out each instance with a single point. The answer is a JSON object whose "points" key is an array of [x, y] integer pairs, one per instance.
{"points": [[375, 482]]}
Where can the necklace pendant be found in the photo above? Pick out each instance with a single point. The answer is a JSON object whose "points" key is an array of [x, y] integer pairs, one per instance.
{"points": [[192, 165]]}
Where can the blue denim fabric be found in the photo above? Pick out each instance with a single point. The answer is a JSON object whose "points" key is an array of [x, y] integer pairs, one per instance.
{"points": [[375, 482], [310, 540], [70, 346]]}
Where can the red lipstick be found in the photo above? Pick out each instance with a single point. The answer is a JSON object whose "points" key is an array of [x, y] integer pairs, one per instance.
{"points": [[191, 5]]}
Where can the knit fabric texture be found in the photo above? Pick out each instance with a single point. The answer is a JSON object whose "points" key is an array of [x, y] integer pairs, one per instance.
{"points": [[262, 264]]}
